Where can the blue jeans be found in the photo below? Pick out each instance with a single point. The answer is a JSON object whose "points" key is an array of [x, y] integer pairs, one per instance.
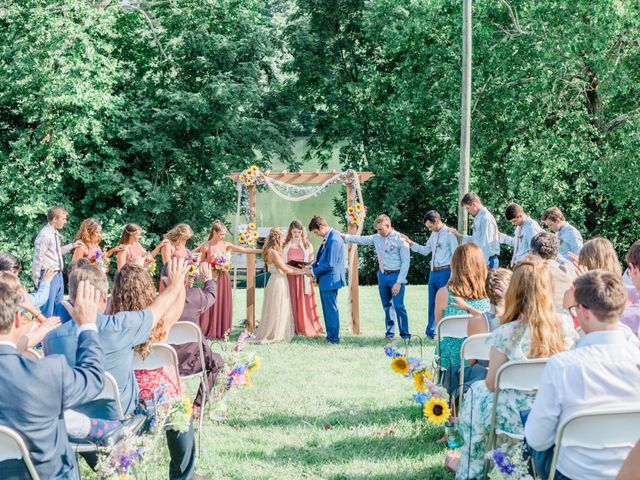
{"points": [[385, 284], [329, 300], [56, 294], [437, 280], [494, 262]]}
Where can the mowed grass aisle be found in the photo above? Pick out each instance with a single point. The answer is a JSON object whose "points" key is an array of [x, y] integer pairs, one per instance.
{"points": [[327, 412]]}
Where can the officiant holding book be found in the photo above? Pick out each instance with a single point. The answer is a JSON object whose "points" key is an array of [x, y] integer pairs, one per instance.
{"points": [[298, 252]]}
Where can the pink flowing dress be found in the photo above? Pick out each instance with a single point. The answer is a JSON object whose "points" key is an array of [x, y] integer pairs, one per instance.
{"points": [[178, 252], [305, 309], [217, 320], [134, 254]]}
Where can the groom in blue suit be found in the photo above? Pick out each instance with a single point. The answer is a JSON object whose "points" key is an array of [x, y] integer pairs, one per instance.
{"points": [[328, 268]]}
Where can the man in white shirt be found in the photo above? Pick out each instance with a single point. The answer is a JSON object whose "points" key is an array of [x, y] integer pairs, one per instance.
{"points": [[485, 229], [441, 245], [49, 254], [602, 371], [526, 229]]}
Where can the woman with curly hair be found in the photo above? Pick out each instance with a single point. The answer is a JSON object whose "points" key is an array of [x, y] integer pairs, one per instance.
{"points": [[133, 289]]}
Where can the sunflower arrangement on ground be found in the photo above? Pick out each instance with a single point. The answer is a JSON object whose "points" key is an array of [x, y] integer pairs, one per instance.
{"points": [[433, 398]]}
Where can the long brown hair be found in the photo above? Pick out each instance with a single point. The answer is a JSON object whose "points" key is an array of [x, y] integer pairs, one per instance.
{"points": [[129, 231], [216, 227], [274, 241], [530, 300], [134, 290], [468, 273], [303, 236], [88, 231], [181, 231], [599, 254]]}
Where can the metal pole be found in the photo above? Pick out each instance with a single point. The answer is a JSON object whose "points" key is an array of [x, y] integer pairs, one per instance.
{"points": [[465, 114]]}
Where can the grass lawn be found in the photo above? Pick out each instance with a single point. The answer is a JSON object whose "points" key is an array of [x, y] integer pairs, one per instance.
{"points": [[318, 411], [327, 412]]}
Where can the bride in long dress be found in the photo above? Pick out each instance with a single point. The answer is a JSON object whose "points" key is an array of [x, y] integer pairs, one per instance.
{"points": [[276, 322]]}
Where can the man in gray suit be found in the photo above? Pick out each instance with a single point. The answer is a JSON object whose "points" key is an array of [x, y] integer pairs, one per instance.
{"points": [[35, 394]]}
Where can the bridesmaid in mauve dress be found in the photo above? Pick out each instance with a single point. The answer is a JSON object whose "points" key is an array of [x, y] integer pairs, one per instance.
{"points": [[217, 320], [132, 251], [174, 244], [303, 298]]}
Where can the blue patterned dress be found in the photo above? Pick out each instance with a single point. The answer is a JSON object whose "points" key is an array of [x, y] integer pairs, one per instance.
{"points": [[450, 347]]}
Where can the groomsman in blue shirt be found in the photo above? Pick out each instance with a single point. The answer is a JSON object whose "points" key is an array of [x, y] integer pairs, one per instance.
{"points": [[526, 229], [441, 245], [394, 259], [485, 229], [569, 236]]}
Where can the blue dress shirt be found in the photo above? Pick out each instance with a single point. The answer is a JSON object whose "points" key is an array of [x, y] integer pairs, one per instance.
{"points": [[521, 241], [440, 246], [485, 234], [570, 240], [392, 250]]}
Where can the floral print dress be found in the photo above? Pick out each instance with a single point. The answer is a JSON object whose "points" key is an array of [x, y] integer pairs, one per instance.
{"points": [[514, 341]]}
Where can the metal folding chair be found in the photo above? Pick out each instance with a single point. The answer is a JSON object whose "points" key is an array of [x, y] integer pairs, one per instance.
{"points": [[598, 429], [188, 332], [473, 348], [454, 326], [12, 447]]}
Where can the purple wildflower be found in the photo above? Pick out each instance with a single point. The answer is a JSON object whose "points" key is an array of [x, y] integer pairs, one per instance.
{"points": [[503, 464], [420, 397]]}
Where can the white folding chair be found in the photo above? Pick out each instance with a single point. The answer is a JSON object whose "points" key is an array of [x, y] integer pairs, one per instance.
{"points": [[473, 348], [160, 356], [110, 392], [522, 375], [32, 354], [598, 429], [12, 447], [189, 332], [454, 326]]}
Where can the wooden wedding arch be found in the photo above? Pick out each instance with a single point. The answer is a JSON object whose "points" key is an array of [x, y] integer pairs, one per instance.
{"points": [[306, 178]]}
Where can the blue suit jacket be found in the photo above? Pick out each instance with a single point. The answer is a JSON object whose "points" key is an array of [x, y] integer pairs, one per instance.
{"points": [[35, 394], [329, 265]]}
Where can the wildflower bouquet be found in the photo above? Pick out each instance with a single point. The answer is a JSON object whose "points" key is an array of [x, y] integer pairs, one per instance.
{"points": [[239, 367], [176, 414], [126, 460], [222, 262], [509, 463], [356, 213], [248, 235], [193, 272], [101, 261]]}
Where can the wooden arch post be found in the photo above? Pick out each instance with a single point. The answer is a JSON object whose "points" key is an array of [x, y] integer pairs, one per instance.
{"points": [[305, 178]]}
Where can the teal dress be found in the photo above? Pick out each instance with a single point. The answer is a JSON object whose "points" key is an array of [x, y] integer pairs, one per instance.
{"points": [[450, 347]]}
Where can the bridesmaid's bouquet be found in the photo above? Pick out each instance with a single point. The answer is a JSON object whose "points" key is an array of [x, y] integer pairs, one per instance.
{"points": [[102, 261], [222, 262], [248, 235]]}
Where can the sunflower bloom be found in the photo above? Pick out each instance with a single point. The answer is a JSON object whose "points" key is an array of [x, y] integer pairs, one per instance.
{"points": [[436, 410], [419, 378], [257, 363], [351, 210], [400, 365], [358, 207]]}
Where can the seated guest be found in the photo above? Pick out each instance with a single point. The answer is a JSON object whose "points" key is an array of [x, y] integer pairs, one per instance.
{"points": [[35, 394], [563, 273], [133, 290], [197, 301], [496, 286], [11, 263], [467, 281], [631, 314], [119, 334], [530, 328], [596, 254], [602, 371]]}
